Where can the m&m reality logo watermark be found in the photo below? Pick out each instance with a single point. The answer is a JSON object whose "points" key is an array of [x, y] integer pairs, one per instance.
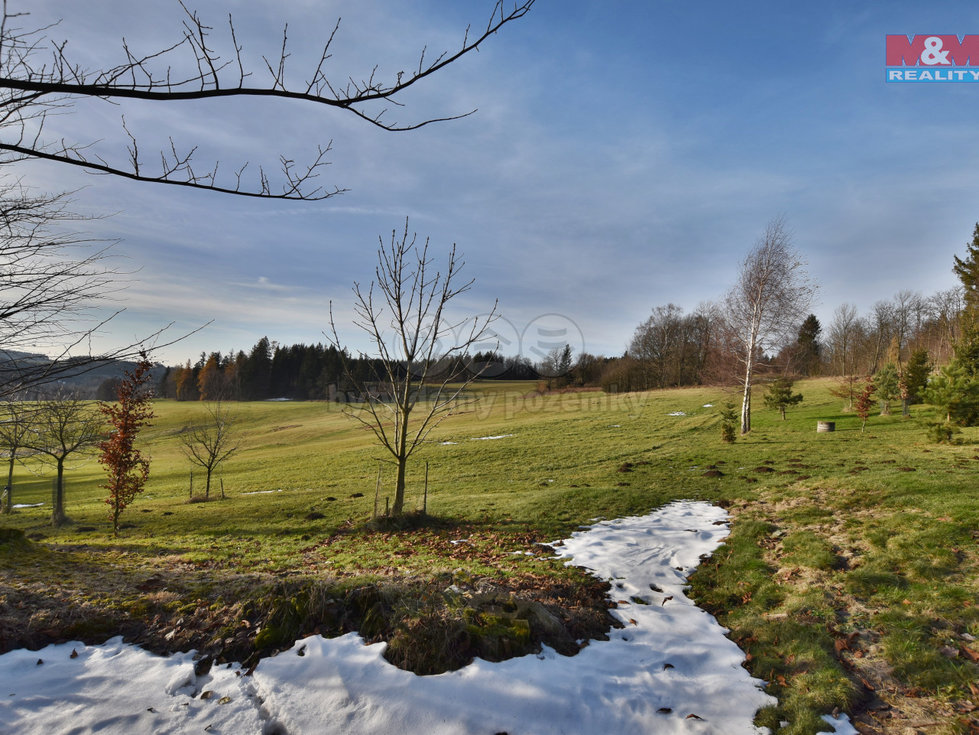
{"points": [[932, 58]]}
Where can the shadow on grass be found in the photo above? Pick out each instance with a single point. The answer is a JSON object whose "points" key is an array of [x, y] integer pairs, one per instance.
{"points": [[413, 521]]}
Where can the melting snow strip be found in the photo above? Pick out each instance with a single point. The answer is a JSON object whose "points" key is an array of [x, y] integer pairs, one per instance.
{"points": [[669, 670]]}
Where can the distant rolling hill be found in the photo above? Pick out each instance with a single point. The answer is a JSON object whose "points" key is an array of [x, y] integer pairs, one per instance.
{"points": [[82, 376]]}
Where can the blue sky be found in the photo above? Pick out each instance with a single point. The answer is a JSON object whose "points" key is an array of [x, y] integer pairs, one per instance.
{"points": [[624, 156]]}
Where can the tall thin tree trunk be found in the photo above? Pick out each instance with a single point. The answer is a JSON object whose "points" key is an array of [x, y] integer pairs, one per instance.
{"points": [[402, 455], [58, 512], [399, 489], [746, 402], [749, 364], [8, 502]]}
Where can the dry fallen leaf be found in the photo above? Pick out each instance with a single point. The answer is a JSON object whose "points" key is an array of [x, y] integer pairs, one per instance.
{"points": [[969, 654]]}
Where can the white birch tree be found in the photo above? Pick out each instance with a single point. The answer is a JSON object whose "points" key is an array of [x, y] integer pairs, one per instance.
{"points": [[771, 296]]}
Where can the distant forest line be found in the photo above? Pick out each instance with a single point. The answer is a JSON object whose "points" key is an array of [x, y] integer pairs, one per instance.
{"points": [[668, 349]]}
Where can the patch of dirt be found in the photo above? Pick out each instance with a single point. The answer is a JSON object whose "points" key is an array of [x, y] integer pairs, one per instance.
{"points": [[433, 623]]}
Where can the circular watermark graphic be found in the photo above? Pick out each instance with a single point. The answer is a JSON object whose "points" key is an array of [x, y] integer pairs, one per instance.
{"points": [[545, 338], [500, 339]]}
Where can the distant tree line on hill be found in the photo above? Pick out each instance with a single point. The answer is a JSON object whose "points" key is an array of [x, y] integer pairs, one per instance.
{"points": [[668, 349], [301, 372], [898, 343], [671, 349]]}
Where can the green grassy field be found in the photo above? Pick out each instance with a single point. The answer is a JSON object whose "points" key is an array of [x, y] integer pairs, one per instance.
{"points": [[850, 576]]}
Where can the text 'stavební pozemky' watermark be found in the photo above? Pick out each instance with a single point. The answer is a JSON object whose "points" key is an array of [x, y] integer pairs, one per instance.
{"points": [[932, 58]]}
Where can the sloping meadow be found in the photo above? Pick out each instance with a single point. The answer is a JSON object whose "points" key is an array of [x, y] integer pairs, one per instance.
{"points": [[850, 577]]}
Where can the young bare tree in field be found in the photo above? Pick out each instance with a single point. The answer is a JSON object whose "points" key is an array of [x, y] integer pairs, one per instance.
{"points": [[62, 426], [211, 441], [15, 427], [423, 352], [39, 79], [770, 298], [845, 333]]}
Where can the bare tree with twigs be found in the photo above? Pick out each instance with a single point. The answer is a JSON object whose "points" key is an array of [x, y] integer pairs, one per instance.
{"points": [[38, 79], [211, 441], [63, 425], [16, 420], [423, 366], [51, 277], [42, 293]]}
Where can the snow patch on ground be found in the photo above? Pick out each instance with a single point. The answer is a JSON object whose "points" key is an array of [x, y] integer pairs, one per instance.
{"points": [[841, 725], [670, 670], [263, 492], [27, 505], [676, 413], [490, 438], [119, 688]]}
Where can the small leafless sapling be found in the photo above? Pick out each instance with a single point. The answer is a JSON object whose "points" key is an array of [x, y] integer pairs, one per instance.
{"points": [[63, 425], [211, 441], [422, 366], [16, 419]]}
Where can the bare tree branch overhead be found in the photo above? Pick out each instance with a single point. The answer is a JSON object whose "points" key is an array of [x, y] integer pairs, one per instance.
{"points": [[51, 279], [38, 79]]}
